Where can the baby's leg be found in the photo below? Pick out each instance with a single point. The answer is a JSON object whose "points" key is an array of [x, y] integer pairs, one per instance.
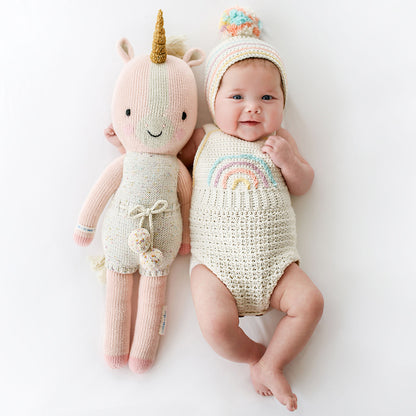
{"points": [[217, 314], [117, 318], [301, 301]]}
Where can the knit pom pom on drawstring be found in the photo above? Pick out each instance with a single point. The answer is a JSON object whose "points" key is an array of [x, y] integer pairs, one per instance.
{"points": [[237, 21]]}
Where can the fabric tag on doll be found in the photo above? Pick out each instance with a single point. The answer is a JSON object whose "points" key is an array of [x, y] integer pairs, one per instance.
{"points": [[163, 321]]}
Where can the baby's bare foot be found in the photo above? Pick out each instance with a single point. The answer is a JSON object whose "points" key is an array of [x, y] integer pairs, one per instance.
{"points": [[259, 387], [266, 380]]}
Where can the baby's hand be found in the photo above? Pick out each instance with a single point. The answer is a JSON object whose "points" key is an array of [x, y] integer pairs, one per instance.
{"points": [[279, 150], [109, 133], [111, 136]]}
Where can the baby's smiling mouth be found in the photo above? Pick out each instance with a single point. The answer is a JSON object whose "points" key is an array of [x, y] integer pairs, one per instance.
{"points": [[249, 123]]}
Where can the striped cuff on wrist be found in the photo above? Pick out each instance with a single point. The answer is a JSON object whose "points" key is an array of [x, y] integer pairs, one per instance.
{"points": [[85, 229]]}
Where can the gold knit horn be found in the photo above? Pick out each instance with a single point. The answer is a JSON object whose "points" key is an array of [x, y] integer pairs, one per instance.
{"points": [[158, 55]]}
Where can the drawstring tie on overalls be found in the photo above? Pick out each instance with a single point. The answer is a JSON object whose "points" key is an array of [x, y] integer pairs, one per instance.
{"points": [[141, 240]]}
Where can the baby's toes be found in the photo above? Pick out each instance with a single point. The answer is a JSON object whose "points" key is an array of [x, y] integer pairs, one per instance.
{"points": [[292, 403]]}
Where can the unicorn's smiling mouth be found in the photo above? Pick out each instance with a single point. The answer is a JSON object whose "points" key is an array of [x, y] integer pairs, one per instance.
{"points": [[155, 135]]}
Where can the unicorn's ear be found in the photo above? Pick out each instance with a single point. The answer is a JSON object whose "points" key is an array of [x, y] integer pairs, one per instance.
{"points": [[125, 50], [194, 62]]}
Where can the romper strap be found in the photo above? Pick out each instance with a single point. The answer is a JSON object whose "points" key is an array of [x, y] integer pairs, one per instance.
{"points": [[209, 129]]}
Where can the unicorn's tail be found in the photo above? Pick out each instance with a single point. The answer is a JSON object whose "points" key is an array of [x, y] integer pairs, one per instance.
{"points": [[97, 263]]}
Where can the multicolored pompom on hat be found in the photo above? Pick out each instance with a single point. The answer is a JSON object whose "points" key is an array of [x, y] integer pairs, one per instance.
{"points": [[241, 29]]}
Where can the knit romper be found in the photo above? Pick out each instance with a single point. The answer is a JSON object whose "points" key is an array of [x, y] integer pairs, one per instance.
{"points": [[148, 180], [242, 223]]}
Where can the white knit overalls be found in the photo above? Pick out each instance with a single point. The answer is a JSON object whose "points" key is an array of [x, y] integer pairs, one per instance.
{"points": [[148, 180], [243, 226]]}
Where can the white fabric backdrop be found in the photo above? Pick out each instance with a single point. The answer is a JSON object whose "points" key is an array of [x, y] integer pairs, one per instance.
{"points": [[351, 68]]}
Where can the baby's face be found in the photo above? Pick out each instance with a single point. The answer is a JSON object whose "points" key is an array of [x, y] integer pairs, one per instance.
{"points": [[250, 101]]}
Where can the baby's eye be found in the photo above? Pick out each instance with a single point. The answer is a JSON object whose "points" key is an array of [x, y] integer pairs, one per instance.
{"points": [[128, 112], [267, 97], [237, 97]]}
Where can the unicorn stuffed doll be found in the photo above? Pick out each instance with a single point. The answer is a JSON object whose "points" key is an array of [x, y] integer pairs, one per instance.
{"points": [[154, 113]]}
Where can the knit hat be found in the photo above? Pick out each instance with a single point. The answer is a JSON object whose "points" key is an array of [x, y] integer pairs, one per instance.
{"points": [[241, 30]]}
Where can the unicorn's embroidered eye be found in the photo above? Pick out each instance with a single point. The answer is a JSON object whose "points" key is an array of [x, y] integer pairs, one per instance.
{"points": [[184, 116], [128, 112]]}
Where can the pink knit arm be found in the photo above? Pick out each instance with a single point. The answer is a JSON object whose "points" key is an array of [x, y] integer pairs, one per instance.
{"points": [[96, 201], [184, 195]]}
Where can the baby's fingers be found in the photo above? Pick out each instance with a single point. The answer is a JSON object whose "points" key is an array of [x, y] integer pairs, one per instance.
{"points": [[109, 132], [274, 141]]}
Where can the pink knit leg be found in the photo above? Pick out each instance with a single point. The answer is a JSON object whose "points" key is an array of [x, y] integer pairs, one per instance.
{"points": [[152, 292], [117, 319]]}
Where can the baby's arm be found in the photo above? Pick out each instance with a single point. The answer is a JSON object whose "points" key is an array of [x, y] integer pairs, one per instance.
{"points": [[184, 195], [101, 192], [187, 154], [284, 153]]}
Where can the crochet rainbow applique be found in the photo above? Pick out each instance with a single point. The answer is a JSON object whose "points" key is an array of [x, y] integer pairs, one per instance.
{"points": [[230, 171]]}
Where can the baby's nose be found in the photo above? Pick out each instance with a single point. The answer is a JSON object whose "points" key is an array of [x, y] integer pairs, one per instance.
{"points": [[253, 107]]}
